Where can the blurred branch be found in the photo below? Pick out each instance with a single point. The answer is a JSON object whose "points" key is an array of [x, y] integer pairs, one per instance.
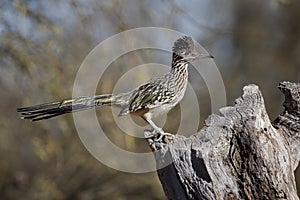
{"points": [[32, 14]]}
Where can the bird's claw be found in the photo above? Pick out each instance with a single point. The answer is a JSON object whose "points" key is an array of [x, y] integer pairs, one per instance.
{"points": [[159, 136], [164, 134]]}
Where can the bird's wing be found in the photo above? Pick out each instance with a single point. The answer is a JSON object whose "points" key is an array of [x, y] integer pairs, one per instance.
{"points": [[150, 95]]}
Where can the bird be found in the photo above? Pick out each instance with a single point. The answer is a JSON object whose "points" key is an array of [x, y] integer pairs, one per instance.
{"points": [[149, 100]]}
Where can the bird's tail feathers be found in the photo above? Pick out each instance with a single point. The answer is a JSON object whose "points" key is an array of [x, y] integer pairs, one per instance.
{"points": [[49, 110]]}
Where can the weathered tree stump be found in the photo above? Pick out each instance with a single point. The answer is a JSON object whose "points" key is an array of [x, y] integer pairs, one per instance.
{"points": [[239, 154]]}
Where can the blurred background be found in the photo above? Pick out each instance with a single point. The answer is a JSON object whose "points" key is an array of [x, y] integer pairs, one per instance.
{"points": [[43, 43]]}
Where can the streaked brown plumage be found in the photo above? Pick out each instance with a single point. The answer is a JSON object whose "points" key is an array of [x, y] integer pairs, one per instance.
{"points": [[155, 97]]}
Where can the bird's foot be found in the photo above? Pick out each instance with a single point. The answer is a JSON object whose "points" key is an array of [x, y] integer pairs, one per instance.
{"points": [[165, 135], [156, 136]]}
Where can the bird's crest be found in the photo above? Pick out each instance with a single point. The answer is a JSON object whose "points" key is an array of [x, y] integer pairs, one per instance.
{"points": [[183, 46]]}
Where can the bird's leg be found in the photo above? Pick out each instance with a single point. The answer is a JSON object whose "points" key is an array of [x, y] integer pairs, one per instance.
{"points": [[158, 129]]}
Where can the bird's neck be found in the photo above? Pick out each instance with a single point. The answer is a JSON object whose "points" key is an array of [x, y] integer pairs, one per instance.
{"points": [[179, 66]]}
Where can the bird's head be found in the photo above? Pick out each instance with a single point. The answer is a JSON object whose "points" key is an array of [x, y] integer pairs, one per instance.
{"points": [[184, 48]]}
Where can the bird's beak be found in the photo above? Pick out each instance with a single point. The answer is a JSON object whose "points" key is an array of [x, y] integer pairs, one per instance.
{"points": [[199, 56], [205, 55], [196, 55]]}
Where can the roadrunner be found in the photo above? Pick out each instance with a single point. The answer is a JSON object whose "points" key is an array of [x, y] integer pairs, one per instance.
{"points": [[155, 97]]}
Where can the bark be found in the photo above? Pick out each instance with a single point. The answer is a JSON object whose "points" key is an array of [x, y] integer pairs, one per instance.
{"points": [[239, 154]]}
